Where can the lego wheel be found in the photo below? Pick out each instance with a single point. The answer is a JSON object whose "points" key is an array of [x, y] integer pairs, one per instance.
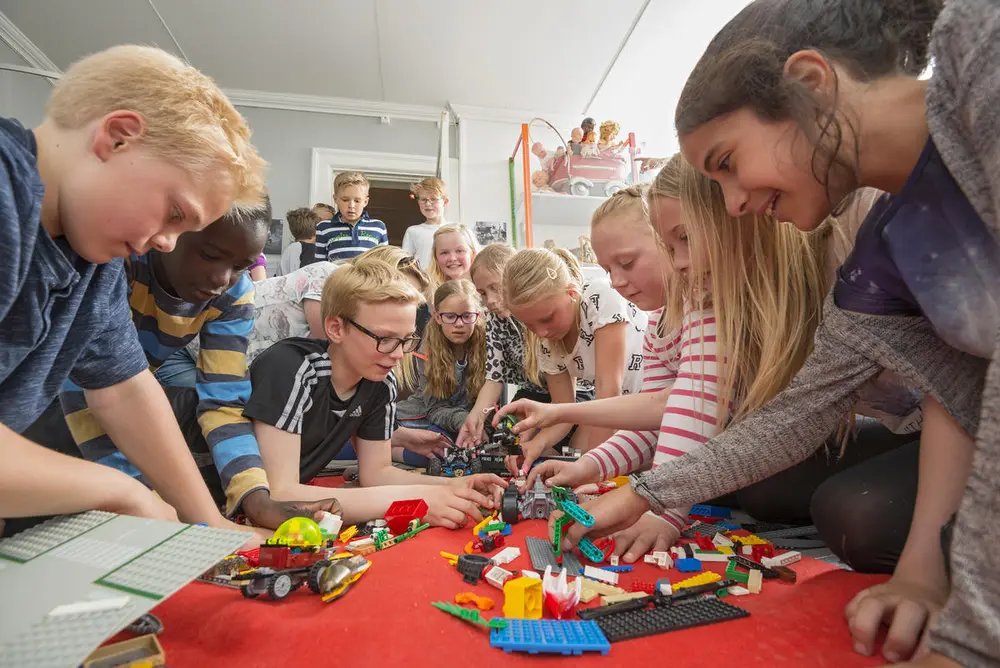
{"points": [[509, 510], [435, 467], [279, 586], [476, 466], [315, 574], [458, 472], [248, 592]]}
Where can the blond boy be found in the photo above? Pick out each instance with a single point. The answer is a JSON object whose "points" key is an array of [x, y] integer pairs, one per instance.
{"points": [[313, 396], [352, 231], [136, 148], [432, 197]]}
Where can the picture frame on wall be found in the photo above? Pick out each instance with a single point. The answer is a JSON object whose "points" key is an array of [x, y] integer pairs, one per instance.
{"points": [[488, 232], [275, 232]]}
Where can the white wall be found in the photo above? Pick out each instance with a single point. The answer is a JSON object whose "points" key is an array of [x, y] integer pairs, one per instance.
{"points": [[286, 140], [22, 96]]}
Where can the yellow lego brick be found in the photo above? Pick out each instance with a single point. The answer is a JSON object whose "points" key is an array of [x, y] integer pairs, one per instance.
{"points": [[752, 540], [701, 579], [725, 550], [452, 558], [479, 527], [348, 533]]}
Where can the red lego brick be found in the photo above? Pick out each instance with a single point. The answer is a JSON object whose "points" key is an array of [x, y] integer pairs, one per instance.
{"points": [[399, 514], [760, 551], [644, 586], [704, 542]]}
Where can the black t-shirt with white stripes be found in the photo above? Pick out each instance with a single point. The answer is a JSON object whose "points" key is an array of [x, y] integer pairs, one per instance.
{"points": [[292, 391]]}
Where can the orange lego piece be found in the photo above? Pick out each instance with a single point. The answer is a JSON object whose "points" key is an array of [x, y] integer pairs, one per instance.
{"points": [[481, 602]]}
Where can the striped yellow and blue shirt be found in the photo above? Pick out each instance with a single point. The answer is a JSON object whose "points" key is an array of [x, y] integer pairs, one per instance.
{"points": [[166, 324]]}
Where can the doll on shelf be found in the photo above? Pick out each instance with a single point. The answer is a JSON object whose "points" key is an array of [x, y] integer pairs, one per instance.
{"points": [[587, 126], [576, 140], [543, 155], [540, 182], [609, 133]]}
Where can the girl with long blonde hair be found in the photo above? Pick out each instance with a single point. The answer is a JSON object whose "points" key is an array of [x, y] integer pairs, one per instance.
{"points": [[454, 250], [451, 368]]}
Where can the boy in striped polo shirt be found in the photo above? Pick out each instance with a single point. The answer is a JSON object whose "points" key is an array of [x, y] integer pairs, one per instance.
{"points": [[352, 231], [200, 289]]}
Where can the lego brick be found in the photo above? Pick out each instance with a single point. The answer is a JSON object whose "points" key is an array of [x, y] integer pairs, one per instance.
{"points": [[737, 590], [497, 576], [506, 555], [798, 543], [755, 580], [617, 569], [726, 550], [170, 565], [619, 598], [784, 559], [786, 574], [703, 528], [39, 539], [707, 577], [600, 574], [541, 555], [790, 532], [664, 587], [614, 559], [704, 510], [704, 542], [530, 574], [753, 540], [721, 540], [711, 555], [471, 567], [523, 598], [748, 564], [145, 649], [643, 586], [764, 527], [550, 637], [683, 615], [687, 565]]}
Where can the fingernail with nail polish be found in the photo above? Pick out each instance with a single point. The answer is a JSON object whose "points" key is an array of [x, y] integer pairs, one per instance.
{"points": [[860, 649]]}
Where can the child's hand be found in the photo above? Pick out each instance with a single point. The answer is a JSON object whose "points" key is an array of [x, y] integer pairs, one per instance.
{"points": [[519, 465], [136, 499], [904, 604], [931, 660], [649, 534], [450, 506], [471, 433], [531, 415], [263, 511], [421, 441], [489, 485], [614, 511], [565, 474]]}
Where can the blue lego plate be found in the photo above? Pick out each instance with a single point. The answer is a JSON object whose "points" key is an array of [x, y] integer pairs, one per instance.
{"points": [[549, 636]]}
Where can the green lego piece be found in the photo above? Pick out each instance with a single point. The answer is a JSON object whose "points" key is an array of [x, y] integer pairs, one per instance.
{"points": [[559, 494], [470, 615], [733, 574], [495, 526], [722, 593], [558, 528]]}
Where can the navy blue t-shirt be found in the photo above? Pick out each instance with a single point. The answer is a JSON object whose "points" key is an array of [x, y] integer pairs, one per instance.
{"points": [[60, 315], [927, 252]]}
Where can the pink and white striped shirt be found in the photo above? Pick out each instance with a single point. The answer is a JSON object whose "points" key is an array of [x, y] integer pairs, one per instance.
{"points": [[686, 362]]}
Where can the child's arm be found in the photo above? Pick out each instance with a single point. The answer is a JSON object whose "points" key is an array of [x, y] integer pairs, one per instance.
{"points": [[38, 481], [223, 387], [280, 450], [471, 432], [139, 420], [609, 355], [919, 585]]}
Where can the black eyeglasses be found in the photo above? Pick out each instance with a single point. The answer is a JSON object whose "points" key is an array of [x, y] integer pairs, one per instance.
{"points": [[469, 317], [406, 261], [388, 344]]}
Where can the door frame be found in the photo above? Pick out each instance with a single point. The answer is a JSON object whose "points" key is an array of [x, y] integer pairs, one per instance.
{"points": [[397, 167]]}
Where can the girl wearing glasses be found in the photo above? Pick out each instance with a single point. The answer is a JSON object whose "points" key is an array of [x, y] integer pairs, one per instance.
{"points": [[452, 368]]}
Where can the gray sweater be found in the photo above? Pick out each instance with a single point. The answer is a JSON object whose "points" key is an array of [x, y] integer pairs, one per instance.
{"points": [[851, 348], [420, 410]]}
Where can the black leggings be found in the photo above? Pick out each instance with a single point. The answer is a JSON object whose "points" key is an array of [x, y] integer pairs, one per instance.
{"points": [[861, 502]]}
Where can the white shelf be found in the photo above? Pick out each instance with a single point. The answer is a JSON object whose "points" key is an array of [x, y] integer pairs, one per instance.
{"points": [[562, 218]]}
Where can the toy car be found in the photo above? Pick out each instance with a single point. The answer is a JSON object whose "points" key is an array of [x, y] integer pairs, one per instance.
{"points": [[531, 504], [282, 569], [456, 462]]}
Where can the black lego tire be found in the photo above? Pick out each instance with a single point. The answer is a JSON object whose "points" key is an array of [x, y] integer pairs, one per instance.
{"points": [[476, 466], [248, 592], [315, 573], [509, 509], [435, 467]]}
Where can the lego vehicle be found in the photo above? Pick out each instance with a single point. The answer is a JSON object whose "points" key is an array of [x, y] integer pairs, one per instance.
{"points": [[501, 439], [536, 503], [338, 577], [282, 569], [456, 462]]}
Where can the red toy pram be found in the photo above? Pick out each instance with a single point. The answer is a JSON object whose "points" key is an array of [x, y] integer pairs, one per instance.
{"points": [[600, 176]]}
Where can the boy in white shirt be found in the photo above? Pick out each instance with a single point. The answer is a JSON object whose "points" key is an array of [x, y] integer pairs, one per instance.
{"points": [[418, 240], [301, 252]]}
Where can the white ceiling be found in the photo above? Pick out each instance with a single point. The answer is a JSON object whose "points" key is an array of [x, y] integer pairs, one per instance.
{"points": [[625, 60]]}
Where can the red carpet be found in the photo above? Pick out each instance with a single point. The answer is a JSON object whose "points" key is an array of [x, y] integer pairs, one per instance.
{"points": [[387, 618]]}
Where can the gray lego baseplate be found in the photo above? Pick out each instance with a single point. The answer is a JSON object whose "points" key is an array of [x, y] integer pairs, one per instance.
{"points": [[540, 551], [53, 575], [710, 530]]}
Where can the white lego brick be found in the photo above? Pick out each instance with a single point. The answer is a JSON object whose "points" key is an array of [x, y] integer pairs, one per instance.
{"points": [[755, 582], [497, 576], [663, 560], [361, 542], [506, 555], [747, 550], [86, 607], [330, 523], [711, 556], [530, 574], [782, 559], [614, 559], [677, 553], [649, 559], [666, 589], [737, 590], [600, 574], [721, 539]]}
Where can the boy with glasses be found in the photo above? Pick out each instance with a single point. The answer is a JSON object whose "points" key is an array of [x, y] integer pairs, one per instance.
{"points": [[418, 240], [311, 397]]}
